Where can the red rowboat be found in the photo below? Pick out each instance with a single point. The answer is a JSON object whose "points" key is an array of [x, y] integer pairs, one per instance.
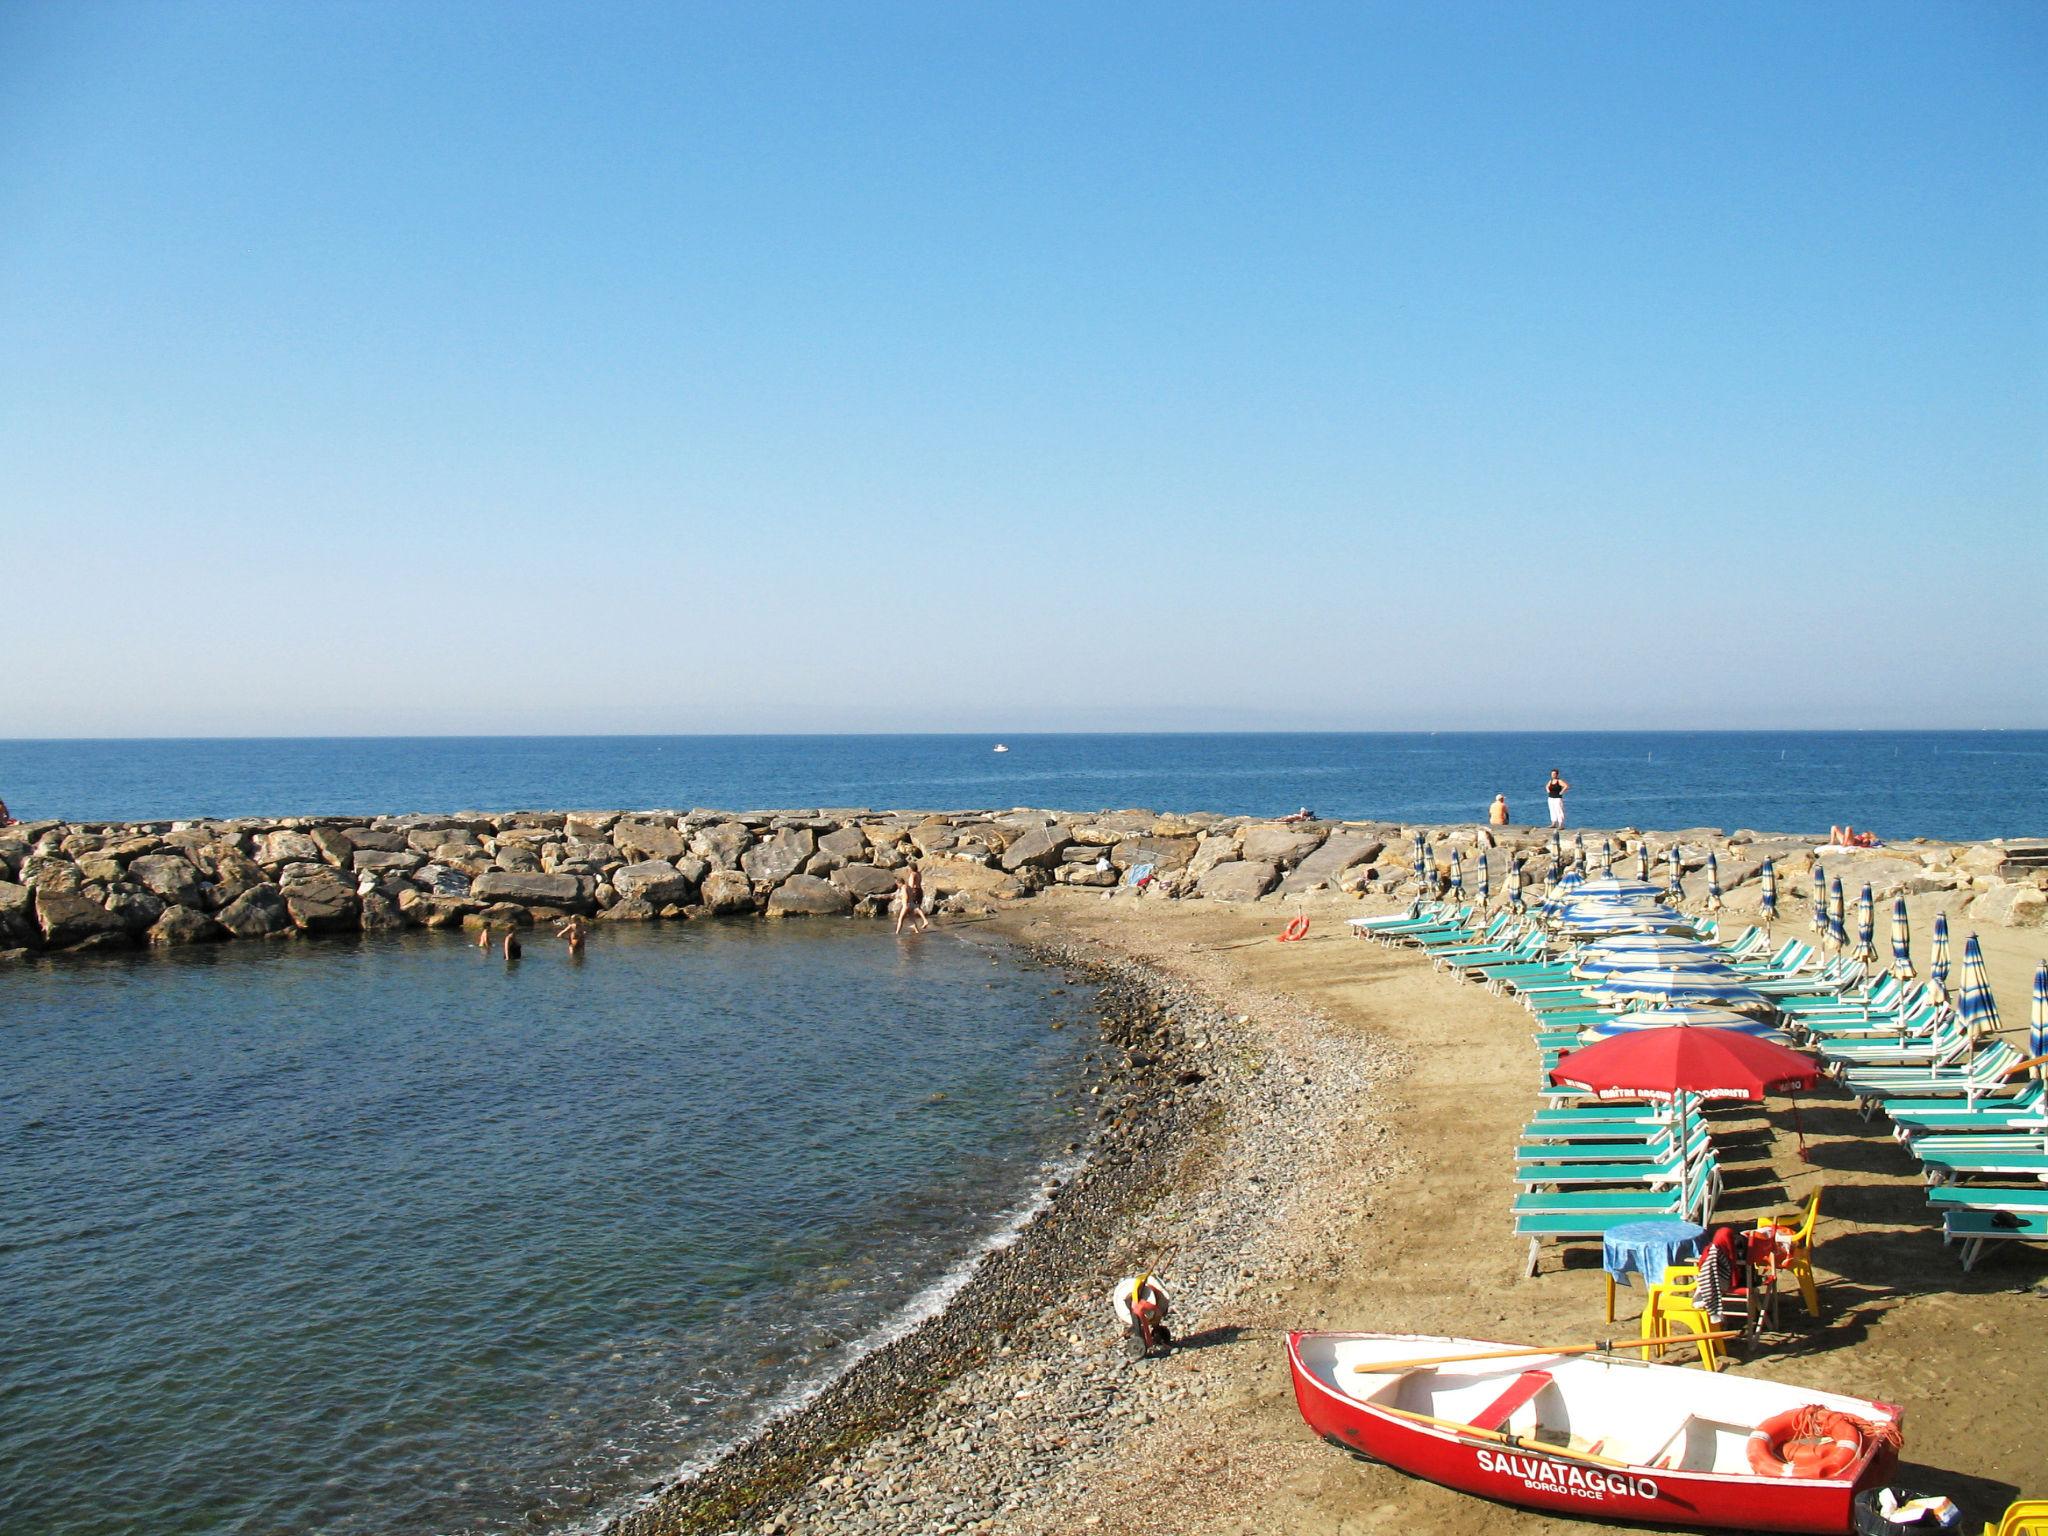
{"points": [[1611, 1437]]}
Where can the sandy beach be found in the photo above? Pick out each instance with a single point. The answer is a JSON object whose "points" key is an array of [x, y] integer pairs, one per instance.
{"points": [[1344, 1161]]}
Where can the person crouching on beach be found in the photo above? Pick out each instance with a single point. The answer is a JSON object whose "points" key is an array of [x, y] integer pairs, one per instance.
{"points": [[1554, 790], [1142, 1308], [909, 900], [1497, 813]]}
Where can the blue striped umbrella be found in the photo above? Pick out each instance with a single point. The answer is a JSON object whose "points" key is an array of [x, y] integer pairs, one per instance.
{"points": [[2037, 1035], [1713, 882], [1820, 900], [1838, 931], [1679, 986], [1513, 886], [1866, 927], [1937, 965], [1675, 888], [1976, 1006], [1689, 1017], [1606, 856], [1457, 874], [1902, 940], [1579, 859], [1485, 877], [1556, 848], [1643, 860], [1421, 859], [1770, 879]]}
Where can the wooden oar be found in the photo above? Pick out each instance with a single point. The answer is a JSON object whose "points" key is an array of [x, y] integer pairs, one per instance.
{"points": [[1534, 1448], [1395, 1367]]}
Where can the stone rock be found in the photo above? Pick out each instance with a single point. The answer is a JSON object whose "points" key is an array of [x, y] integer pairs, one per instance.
{"points": [[17, 917], [434, 911], [1211, 849], [949, 877], [847, 844], [1240, 880], [323, 904], [380, 914], [376, 839], [185, 925], [284, 847], [44, 872], [1086, 874], [69, 918], [589, 826], [2011, 906], [1164, 854], [1886, 874], [99, 869], [429, 840], [727, 890], [169, 876], [648, 841], [656, 882], [518, 858], [629, 910], [1285, 846], [722, 845], [779, 855], [1340, 854], [808, 896], [442, 880], [233, 873], [335, 848], [1037, 848], [256, 913], [859, 880], [377, 860], [531, 889], [1981, 858], [137, 907]]}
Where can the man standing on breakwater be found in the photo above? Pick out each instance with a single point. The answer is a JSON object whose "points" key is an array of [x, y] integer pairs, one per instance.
{"points": [[1555, 790]]}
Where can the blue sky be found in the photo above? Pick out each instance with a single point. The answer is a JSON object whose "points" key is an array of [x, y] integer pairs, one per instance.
{"points": [[394, 368]]}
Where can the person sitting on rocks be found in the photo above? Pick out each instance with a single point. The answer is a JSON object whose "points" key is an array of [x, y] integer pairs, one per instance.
{"points": [[1497, 813], [5, 819], [1142, 1308]]}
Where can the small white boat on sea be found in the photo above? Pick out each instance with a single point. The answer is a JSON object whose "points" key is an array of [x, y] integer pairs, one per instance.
{"points": [[1001, 748]]}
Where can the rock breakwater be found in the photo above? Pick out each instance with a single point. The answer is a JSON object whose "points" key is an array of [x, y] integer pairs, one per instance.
{"points": [[92, 886]]}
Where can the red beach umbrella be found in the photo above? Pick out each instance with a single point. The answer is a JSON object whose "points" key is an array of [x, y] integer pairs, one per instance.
{"points": [[1663, 1063]]}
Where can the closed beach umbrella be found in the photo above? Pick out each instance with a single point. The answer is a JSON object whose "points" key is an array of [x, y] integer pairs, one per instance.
{"points": [[1680, 986], [1513, 886], [1700, 1017], [1713, 882], [1457, 874], [1421, 859], [1485, 878], [1676, 889], [1556, 848], [1937, 964], [1866, 927], [1770, 879], [1579, 844], [1838, 931], [1643, 860], [1606, 856], [2037, 1033], [1902, 941], [1820, 900], [1975, 1005]]}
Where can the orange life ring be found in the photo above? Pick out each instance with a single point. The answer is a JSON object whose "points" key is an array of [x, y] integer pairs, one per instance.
{"points": [[1294, 930], [1805, 1442]]}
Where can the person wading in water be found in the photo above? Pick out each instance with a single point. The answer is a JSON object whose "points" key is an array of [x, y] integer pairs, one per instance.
{"points": [[910, 900]]}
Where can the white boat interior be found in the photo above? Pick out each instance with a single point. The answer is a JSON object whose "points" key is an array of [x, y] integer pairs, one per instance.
{"points": [[1657, 1417]]}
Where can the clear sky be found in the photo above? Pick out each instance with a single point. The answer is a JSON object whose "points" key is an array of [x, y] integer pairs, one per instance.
{"points": [[375, 367]]}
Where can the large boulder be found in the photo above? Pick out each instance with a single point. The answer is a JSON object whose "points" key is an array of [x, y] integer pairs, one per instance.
{"points": [[1039, 847], [1279, 844], [1240, 880], [17, 917], [722, 844], [531, 889], [185, 925], [726, 891], [376, 839], [808, 896], [286, 847], [655, 881], [777, 857], [861, 880], [1212, 849], [256, 913], [1164, 854], [137, 907], [648, 841], [385, 861], [2011, 906], [169, 876], [335, 848], [1886, 874], [324, 903], [1341, 853], [847, 844], [69, 918]]}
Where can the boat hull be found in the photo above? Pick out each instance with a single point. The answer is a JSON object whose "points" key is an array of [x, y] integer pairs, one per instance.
{"points": [[1525, 1475]]}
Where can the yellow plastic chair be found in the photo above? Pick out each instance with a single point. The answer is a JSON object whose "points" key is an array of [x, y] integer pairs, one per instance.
{"points": [[1795, 1239], [2023, 1517], [1670, 1308]]}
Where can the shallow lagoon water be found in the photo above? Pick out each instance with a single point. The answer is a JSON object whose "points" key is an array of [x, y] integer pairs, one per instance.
{"points": [[387, 1236]]}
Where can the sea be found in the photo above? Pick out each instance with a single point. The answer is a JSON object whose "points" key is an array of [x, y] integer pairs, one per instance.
{"points": [[1946, 784], [389, 1235]]}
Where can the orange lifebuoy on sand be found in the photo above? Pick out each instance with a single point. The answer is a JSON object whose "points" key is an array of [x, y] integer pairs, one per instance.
{"points": [[1809, 1442], [1295, 930]]}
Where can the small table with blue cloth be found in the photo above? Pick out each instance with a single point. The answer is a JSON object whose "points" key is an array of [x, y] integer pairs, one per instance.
{"points": [[1646, 1248]]}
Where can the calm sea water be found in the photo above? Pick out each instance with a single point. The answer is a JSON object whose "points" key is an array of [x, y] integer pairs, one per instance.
{"points": [[1957, 784], [388, 1237]]}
